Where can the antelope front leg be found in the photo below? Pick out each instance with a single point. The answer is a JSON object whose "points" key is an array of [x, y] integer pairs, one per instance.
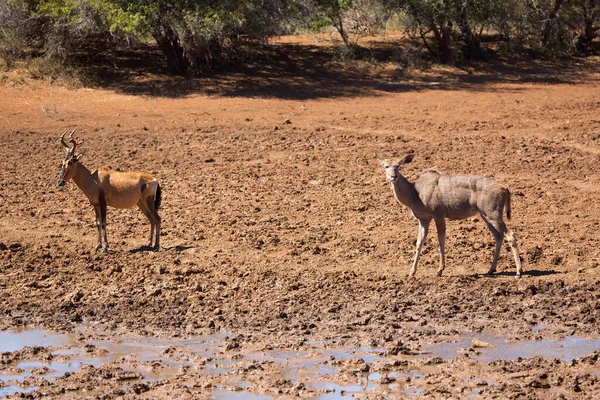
{"points": [[441, 231], [423, 228]]}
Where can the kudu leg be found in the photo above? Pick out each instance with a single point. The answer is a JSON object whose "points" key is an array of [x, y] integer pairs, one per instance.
{"points": [[498, 239], [500, 232], [510, 238], [440, 225], [423, 229]]}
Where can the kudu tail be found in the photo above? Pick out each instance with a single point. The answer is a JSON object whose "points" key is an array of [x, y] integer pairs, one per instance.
{"points": [[158, 197], [507, 203]]}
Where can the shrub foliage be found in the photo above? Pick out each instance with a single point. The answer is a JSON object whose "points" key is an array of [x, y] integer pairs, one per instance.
{"points": [[195, 36]]}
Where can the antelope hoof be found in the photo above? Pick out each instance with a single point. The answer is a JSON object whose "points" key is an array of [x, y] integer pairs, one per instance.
{"points": [[439, 273], [104, 250], [97, 248], [518, 276], [156, 248]]}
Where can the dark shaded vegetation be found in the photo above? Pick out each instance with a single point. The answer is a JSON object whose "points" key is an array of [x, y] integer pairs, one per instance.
{"points": [[120, 44], [304, 71]]}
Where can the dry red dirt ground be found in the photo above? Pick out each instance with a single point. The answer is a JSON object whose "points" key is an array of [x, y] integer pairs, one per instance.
{"points": [[280, 228]]}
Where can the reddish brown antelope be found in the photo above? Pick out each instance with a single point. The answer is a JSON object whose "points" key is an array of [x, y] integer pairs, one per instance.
{"points": [[104, 187], [434, 196]]}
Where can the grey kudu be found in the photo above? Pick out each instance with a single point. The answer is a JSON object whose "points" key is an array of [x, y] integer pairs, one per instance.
{"points": [[433, 196]]}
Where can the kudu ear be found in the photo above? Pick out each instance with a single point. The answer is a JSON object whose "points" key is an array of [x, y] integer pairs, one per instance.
{"points": [[408, 158]]}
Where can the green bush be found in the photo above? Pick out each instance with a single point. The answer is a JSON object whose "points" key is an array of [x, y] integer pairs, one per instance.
{"points": [[196, 36]]}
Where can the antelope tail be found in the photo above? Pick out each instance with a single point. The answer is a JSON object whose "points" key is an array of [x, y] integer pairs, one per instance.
{"points": [[507, 203], [158, 196]]}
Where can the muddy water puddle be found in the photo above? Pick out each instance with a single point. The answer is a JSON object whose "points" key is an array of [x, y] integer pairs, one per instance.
{"points": [[322, 369], [487, 347]]}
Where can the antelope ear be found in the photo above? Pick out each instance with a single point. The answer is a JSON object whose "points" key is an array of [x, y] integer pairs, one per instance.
{"points": [[379, 158], [408, 158], [78, 156]]}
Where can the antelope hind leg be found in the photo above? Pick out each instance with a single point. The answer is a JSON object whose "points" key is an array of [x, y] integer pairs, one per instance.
{"points": [[144, 207]]}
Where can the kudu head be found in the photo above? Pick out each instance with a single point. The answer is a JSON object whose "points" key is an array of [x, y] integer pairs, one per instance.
{"points": [[67, 168], [392, 165]]}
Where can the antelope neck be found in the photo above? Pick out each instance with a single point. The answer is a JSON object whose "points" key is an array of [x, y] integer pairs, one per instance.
{"points": [[82, 178]]}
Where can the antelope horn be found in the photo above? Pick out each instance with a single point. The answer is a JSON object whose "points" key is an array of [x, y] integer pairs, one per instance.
{"points": [[72, 139], [62, 140]]}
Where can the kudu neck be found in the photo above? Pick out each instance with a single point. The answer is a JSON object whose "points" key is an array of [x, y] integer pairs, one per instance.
{"points": [[404, 191]]}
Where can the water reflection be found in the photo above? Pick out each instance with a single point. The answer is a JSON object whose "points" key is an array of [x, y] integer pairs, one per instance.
{"points": [[500, 348], [12, 340], [317, 369]]}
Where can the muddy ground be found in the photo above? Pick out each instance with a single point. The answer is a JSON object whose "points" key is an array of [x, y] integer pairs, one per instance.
{"points": [[279, 227]]}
